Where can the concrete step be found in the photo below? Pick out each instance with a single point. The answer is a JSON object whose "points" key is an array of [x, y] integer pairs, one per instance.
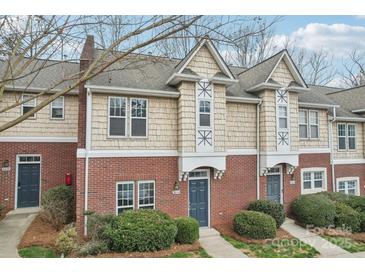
{"points": [[208, 232], [25, 210]]}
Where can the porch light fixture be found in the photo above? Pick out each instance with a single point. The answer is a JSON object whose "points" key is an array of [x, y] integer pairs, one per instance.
{"points": [[5, 163], [176, 185]]}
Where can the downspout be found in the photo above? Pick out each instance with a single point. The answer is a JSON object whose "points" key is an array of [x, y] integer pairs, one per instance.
{"points": [[258, 150], [331, 150], [87, 149]]}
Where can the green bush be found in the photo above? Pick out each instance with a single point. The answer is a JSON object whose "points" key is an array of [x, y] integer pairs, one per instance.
{"points": [[316, 210], [362, 221], [347, 218], [187, 230], [355, 202], [2, 207], [271, 208], [141, 230], [92, 248], [66, 241], [96, 225], [255, 225], [58, 206]]}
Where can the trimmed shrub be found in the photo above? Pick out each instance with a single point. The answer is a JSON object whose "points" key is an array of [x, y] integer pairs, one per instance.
{"points": [[58, 206], [362, 220], [140, 230], [347, 218], [187, 230], [271, 208], [255, 225], [355, 202], [66, 241], [316, 210], [92, 248], [2, 207]]}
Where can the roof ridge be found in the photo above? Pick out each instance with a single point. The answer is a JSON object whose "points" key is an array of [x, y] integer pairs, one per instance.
{"points": [[347, 89], [263, 61]]}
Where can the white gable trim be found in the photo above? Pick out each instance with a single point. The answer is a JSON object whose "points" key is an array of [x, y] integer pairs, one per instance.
{"points": [[222, 65], [295, 73]]}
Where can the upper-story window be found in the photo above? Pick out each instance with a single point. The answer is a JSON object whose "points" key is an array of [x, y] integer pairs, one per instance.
{"points": [[138, 117], [308, 124], [29, 105], [283, 117], [346, 136], [204, 113], [58, 108], [117, 116]]}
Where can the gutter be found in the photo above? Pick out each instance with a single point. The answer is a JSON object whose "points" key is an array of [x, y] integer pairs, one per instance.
{"points": [[316, 105], [87, 150], [331, 149], [236, 99], [258, 150]]}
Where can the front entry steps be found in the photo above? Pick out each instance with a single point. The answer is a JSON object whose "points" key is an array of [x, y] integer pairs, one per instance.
{"points": [[216, 246], [24, 210]]}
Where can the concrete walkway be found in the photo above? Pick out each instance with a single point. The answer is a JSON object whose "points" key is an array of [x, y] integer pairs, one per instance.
{"points": [[12, 228], [216, 246], [324, 247]]}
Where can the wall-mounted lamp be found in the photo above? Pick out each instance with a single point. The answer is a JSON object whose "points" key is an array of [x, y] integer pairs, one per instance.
{"points": [[6, 163], [176, 185]]}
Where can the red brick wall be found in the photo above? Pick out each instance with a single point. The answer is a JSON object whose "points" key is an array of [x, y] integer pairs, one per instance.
{"points": [[228, 195], [353, 170], [292, 191], [57, 160]]}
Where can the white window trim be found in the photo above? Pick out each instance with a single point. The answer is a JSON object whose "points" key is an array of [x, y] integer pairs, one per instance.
{"points": [[302, 124], [311, 124], [338, 137], [154, 193], [63, 109], [346, 179], [125, 117], [130, 118], [312, 170], [197, 117], [348, 137], [116, 195], [288, 129], [34, 105]]}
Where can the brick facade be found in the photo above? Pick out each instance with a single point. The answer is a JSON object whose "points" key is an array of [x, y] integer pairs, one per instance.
{"points": [[57, 159]]}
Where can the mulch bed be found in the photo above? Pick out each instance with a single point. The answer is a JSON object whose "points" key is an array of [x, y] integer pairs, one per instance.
{"points": [[227, 230], [39, 233], [157, 254]]}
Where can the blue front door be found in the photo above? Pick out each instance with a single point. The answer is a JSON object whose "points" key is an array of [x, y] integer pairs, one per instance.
{"points": [[274, 188], [198, 200], [28, 185]]}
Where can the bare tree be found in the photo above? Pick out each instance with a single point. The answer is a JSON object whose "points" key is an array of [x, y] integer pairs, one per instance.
{"points": [[354, 69], [29, 42]]}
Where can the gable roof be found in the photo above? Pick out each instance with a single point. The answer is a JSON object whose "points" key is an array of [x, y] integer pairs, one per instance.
{"points": [[351, 99], [262, 72], [181, 66]]}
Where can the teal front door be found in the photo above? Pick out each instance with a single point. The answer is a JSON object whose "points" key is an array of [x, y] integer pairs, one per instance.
{"points": [[198, 201]]}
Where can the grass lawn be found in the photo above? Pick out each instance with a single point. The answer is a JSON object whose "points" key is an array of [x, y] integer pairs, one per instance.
{"points": [[348, 244], [37, 252], [286, 248], [201, 253]]}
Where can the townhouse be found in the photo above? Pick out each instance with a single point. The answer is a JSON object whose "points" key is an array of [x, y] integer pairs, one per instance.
{"points": [[191, 137]]}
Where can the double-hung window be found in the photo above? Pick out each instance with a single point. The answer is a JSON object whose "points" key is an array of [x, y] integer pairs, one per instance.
{"points": [[139, 117], [117, 116], [346, 136], [308, 124], [57, 108], [283, 117], [125, 196], [146, 194], [313, 180], [29, 105], [348, 185], [204, 113]]}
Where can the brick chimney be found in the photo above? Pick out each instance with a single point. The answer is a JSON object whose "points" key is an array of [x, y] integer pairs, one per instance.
{"points": [[87, 55]]}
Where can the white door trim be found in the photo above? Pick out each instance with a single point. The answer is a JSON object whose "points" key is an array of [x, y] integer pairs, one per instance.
{"points": [[197, 178], [17, 173]]}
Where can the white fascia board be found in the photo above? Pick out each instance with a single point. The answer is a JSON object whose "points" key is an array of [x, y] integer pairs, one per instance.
{"points": [[237, 99], [359, 110], [262, 86], [40, 139], [297, 89], [314, 150], [127, 153], [316, 105], [350, 119], [348, 161], [241, 152], [268, 159], [133, 91], [38, 90], [223, 81], [178, 77]]}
